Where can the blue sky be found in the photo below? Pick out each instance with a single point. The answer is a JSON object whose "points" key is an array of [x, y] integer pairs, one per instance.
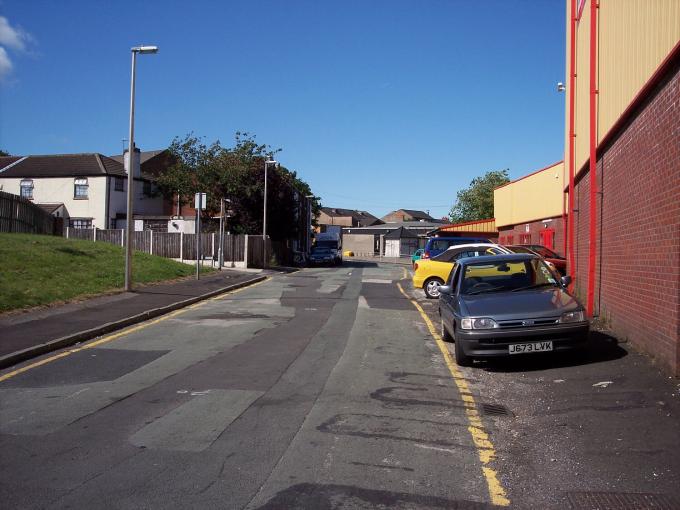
{"points": [[379, 105]]}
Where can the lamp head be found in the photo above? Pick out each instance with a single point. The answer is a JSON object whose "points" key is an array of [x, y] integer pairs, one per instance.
{"points": [[145, 49]]}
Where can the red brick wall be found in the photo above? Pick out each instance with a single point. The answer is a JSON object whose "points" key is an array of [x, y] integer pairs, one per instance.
{"points": [[638, 229], [534, 237]]}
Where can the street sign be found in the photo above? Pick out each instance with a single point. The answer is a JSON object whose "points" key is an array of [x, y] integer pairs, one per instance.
{"points": [[199, 201]]}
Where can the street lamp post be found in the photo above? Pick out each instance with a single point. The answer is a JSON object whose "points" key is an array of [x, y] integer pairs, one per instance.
{"points": [[267, 162], [130, 179]]}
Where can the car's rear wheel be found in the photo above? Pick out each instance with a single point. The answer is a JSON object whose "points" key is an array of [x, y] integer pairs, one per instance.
{"points": [[446, 336], [431, 287], [462, 359]]}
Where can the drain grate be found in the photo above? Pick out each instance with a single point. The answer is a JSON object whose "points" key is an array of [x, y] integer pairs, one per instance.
{"points": [[496, 410], [621, 501]]}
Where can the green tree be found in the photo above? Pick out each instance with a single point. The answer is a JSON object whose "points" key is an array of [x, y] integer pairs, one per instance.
{"points": [[237, 173], [476, 201], [4, 153]]}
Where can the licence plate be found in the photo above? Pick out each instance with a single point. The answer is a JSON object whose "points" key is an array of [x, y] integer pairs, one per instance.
{"points": [[533, 347]]}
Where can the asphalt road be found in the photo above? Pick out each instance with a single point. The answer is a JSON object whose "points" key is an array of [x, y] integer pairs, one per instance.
{"points": [[326, 388]]}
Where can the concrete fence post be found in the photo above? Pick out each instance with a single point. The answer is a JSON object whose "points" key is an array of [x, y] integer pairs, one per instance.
{"points": [[67, 229], [122, 237], [94, 234], [245, 251]]}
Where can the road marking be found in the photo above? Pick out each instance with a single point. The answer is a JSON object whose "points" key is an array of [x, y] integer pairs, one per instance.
{"points": [[125, 332], [480, 437]]}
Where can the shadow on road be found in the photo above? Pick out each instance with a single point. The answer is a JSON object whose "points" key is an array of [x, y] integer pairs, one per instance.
{"points": [[601, 348]]}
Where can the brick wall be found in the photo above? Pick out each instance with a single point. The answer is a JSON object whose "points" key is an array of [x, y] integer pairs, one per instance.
{"points": [[638, 229], [535, 227]]}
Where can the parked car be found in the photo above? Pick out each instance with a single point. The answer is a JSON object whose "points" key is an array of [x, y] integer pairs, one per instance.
{"points": [[322, 256], [429, 274], [505, 305], [437, 245], [558, 262], [417, 255]]}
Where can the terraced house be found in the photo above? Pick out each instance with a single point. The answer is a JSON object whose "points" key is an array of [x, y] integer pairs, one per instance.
{"points": [[86, 190]]}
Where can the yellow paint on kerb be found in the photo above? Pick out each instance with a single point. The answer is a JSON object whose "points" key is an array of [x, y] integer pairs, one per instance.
{"points": [[115, 336], [480, 437]]}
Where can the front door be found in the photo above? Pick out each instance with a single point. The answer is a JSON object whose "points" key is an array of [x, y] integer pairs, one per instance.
{"points": [[548, 238]]}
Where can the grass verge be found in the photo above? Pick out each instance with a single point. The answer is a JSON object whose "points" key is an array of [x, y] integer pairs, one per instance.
{"points": [[37, 270]]}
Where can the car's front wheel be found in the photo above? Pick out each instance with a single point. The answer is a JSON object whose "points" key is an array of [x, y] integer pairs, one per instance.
{"points": [[431, 287]]}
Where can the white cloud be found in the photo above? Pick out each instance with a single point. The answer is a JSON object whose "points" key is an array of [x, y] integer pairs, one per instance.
{"points": [[11, 37], [5, 64]]}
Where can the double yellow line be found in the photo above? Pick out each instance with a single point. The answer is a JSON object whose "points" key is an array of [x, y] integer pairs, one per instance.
{"points": [[480, 437], [110, 338]]}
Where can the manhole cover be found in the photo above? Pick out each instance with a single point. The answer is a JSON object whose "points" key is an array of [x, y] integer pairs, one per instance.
{"points": [[621, 501], [495, 410]]}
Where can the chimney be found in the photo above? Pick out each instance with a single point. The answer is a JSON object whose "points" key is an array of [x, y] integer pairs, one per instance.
{"points": [[136, 170]]}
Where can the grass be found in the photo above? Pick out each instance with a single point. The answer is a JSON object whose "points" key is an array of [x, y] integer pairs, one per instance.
{"points": [[38, 270]]}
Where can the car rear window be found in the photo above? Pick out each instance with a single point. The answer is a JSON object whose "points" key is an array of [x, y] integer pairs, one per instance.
{"points": [[503, 275]]}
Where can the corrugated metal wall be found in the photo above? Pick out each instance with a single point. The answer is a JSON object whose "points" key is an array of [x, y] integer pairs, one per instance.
{"points": [[476, 226], [634, 37], [534, 197]]}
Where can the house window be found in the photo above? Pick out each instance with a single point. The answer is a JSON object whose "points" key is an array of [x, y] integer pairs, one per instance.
{"points": [[27, 188], [80, 223], [147, 189], [525, 239], [80, 188], [511, 239], [118, 184]]}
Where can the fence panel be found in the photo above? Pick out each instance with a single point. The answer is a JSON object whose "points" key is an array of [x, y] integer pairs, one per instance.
{"points": [[113, 236], [166, 244], [256, 251], [141, 241], [19, 214], [234, 248], [81, 233]]}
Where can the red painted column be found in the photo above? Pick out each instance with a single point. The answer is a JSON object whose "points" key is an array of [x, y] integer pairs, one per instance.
{"points": [[592, 234], [572, 93]]}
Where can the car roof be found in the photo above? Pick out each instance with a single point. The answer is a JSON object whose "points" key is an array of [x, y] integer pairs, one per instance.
{"points": [[513, 257], [471, 245]]}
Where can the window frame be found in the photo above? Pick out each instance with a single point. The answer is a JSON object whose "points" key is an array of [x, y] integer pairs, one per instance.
{"points": [[78, 223], [118, 184], [22, 187], [82, 186]]}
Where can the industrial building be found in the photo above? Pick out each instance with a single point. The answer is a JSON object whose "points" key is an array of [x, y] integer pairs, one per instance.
{"points": [[618, 218]]}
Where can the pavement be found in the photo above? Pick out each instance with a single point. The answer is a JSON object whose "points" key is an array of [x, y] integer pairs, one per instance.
{"points": [[38, 331]]}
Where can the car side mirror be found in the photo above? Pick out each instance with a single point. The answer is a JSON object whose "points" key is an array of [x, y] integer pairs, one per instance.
{"points": [[565, 280], [445, 289]]}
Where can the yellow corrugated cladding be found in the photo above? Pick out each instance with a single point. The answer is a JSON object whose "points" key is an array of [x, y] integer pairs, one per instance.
{"points": [[475, 226], [634, 37], [534, 197]]}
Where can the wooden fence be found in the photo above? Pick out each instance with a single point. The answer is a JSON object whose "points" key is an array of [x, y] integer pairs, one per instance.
{"points": [[19, 214], [173, 245]]}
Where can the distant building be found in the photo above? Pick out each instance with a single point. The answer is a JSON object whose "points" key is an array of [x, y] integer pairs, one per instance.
{"points": [[408, 215], [337, 218]]}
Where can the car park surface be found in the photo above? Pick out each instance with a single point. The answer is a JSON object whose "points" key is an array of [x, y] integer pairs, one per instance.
{"points": [[508, 304]]}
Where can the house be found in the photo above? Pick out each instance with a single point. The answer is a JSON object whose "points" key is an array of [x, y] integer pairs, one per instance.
{"points": [[332, 218], [370, 241], [87, 190], [407, 215]]}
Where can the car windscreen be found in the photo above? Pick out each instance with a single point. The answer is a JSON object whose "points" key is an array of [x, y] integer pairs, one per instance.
{"points": [[506, 276], [545, 252]]}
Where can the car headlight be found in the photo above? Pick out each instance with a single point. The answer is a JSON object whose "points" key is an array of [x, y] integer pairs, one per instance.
{"points": [[483, 323], [572, 317]]}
